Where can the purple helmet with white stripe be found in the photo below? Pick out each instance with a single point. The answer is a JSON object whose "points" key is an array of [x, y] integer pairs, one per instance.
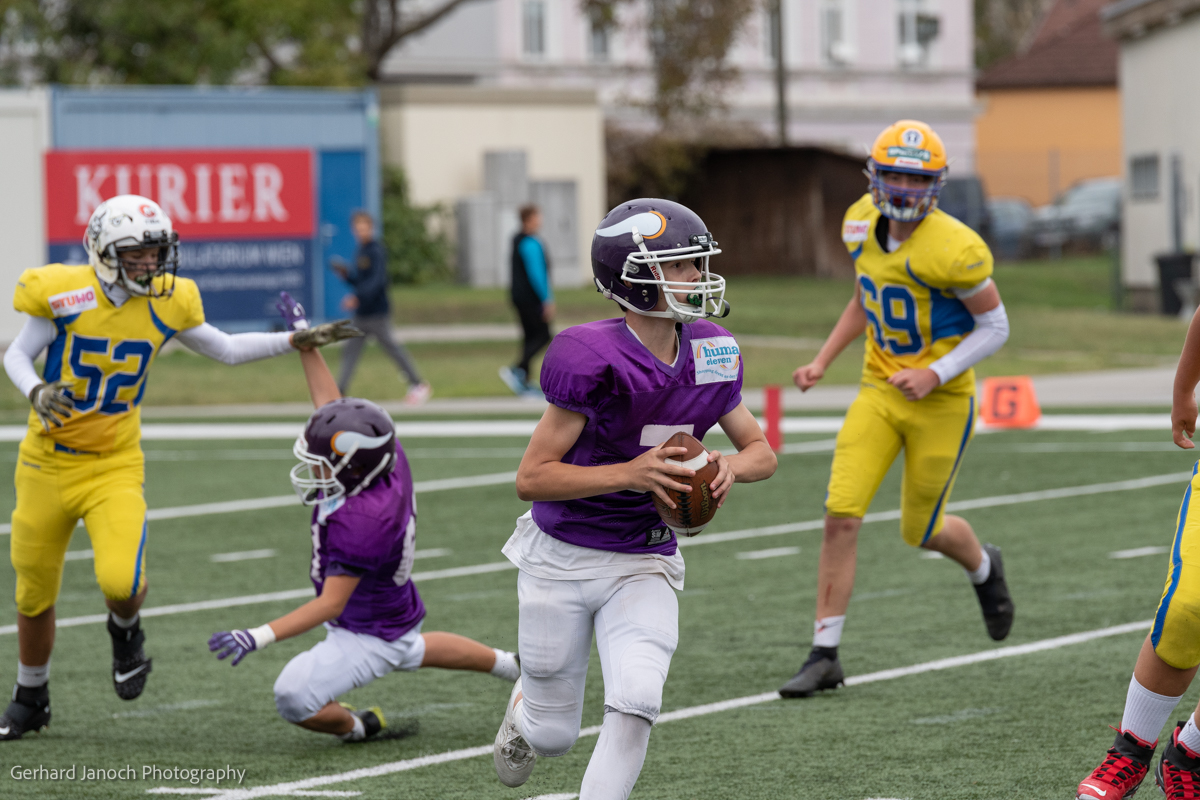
{"points": [[346, 444], [635, 238]]}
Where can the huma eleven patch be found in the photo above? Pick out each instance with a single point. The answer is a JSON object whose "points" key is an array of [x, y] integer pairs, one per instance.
{"points": [[717, 359]]}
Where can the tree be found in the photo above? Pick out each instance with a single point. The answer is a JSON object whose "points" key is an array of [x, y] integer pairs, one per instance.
{"points": [[1005, 27], [689, 42], [306, 42]]}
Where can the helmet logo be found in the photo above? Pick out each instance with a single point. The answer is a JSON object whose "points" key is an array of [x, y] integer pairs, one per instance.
{"points": [[650, 224], [345, 441], [147, 210], [912, 137]]}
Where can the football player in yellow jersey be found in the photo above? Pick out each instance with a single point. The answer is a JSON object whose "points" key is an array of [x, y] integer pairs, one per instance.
{"points": [[101, 326], [925, 297]]}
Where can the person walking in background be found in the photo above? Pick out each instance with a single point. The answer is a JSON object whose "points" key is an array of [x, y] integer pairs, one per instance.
{"points": [[532, 298], [372, 310]]}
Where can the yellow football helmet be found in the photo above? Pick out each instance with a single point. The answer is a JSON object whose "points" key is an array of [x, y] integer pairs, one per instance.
{"points": [[914, 148]]}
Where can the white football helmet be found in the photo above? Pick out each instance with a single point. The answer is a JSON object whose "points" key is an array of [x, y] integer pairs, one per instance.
{"points": [[127, 223]]}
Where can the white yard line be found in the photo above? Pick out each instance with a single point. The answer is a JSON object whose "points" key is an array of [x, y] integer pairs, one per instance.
{"points": [[242, 555], [1055, 643], [774, 552], [712, 538], [1138, 552], [260, 431]]}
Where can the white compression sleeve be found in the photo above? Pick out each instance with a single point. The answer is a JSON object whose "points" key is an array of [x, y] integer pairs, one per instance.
{"points": [[35, 336], [235, 348], [990, 334]]}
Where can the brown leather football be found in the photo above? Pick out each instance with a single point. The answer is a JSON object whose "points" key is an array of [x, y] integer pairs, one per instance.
{"points": [[693, 510]]}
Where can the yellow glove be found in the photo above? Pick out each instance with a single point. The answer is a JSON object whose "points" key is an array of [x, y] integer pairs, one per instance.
{"points": [[51, 401], [325, 333]]}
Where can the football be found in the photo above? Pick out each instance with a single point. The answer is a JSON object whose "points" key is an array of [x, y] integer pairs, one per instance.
{"points": [[693, 510]]}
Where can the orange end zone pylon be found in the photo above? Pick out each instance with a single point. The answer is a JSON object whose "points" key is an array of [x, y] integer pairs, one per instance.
{"points": [[772, 414], [1009, 402]]}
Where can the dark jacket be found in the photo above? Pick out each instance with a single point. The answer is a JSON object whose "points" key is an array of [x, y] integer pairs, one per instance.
{"points": [[530, 272], [369, 278]]}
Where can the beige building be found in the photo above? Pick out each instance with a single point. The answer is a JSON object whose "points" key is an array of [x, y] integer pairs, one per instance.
{"points": [[439, 135], [1161, 150]]}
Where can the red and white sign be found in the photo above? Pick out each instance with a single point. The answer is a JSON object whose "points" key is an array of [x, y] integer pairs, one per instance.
{"points": [[208, 194]]}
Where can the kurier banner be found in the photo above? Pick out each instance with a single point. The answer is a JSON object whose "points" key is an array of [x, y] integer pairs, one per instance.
{"points": [[245, 218]]}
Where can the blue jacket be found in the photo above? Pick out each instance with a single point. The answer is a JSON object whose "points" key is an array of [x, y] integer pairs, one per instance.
{"points": [[370, 280], [530, 271]]}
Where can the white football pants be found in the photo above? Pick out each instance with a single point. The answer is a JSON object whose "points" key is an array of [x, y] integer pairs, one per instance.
{"points": [[636, 620], [338, 663]]}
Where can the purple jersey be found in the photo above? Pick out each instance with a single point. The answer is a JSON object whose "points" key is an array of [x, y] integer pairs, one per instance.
{"points": [[632, 401], [371, 536]]}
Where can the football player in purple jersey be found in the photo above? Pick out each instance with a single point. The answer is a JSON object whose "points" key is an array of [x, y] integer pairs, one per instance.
{"points": [[593, 554], [353, 470]]}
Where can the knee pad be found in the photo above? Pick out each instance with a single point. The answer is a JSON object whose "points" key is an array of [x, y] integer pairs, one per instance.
{"points": [[293, 699], [549, 737]]}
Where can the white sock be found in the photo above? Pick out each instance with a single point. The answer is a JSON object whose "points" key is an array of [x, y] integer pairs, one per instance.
{"points": [[32, 677], [121, 622], [1146, 712], [1190, 735], [506, 666], [827, 632], [355, 734], [618, 757], [980, 575]]}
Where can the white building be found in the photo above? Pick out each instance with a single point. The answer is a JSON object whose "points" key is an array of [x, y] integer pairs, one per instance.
{"points": [[853, 66], [1159, 42]]}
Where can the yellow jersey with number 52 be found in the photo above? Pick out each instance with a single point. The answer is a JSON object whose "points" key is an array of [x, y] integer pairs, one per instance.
{"points": [[913, 315], [102, 350]]}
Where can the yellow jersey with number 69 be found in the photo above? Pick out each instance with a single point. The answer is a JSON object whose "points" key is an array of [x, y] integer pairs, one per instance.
{"points": [[913, 315], [102, 350]]}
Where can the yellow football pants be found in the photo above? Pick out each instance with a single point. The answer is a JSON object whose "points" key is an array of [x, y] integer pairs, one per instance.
{"points": [[933, 432], [57, 488], [1176, 631]]}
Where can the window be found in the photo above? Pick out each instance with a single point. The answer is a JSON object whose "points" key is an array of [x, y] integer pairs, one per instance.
{"points": [[533, 27], [598, 42], [917, 28], [1143, 175], [835, 41]]}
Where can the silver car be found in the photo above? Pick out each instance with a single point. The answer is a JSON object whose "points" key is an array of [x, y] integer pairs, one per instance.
{"points": [[1085, 217]]}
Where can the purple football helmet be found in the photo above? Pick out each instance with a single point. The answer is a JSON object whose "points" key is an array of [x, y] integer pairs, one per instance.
{"points": [[635, 238], [346, 444]]}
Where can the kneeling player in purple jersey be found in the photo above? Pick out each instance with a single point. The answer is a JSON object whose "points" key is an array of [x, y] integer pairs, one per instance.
{"points": [[354, 471], [593, 553]]}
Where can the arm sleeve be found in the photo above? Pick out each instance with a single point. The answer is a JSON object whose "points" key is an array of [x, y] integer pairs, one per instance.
{"points": [[235, 348], [574, 377], [534, 258], [990, 334], [35, 337]]}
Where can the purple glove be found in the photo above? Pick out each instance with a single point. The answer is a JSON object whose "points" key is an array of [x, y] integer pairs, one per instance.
{"points": [[293, 313], [232, 643]]}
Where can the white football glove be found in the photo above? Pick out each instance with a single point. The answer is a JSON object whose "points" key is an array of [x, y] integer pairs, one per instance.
{"points": [[51, 401]]}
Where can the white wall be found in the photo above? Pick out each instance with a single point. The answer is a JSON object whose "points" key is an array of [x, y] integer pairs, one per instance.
{"points": [[24, 137], [439, 135], [1158, 115]]}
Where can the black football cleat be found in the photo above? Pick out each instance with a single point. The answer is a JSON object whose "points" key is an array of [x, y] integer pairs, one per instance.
{"points": [[28, 711], [821, 671], [130, 665], [994, 599], [372, 719]]}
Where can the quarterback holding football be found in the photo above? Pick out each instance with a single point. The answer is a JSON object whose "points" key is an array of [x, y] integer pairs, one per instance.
{"points": [[925, 297], [593, 553], [101, 325]]}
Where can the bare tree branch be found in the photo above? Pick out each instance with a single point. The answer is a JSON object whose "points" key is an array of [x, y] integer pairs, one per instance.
{"points": [[381, 45]]}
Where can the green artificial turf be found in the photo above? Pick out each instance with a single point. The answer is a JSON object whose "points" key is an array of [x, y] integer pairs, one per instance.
{"points": [[1029, 726]]}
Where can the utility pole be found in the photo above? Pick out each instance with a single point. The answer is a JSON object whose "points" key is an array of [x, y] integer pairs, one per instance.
{"points": [[780, 71]]}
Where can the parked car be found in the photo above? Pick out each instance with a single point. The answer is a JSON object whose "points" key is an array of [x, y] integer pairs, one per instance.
{"points": [[963, 199], [1084, 217], [1010, 219]]}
